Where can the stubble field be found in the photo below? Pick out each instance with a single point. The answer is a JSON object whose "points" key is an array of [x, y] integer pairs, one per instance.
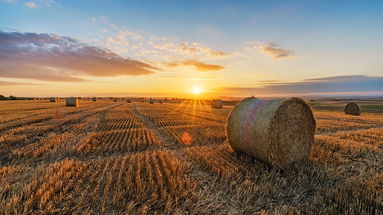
{"points": [[110, 157]]}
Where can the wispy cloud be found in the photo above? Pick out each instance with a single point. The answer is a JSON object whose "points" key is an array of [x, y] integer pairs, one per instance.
{"points": [[200, 66], [31, 4], [218, 53], [185, 49], [197, 49], [35, 4], [59, 58], [153, 47], [179, 76], [275, 51], [47, 3], [357, 83], [11, 83]]}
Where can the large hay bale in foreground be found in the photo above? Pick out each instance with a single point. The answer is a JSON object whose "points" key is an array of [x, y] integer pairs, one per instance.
{"points": [[216, 103], [73, 102], [54, 99], [352, 108], [278, 132]]}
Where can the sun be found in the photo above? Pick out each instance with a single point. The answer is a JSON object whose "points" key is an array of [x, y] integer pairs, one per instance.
{"points": [[197, 90]]}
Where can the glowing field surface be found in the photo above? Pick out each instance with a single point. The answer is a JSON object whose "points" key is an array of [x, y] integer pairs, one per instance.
{"points": [[112, 157]]}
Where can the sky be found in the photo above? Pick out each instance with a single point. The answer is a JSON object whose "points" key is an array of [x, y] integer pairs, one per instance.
{"points": [[172, 48]]}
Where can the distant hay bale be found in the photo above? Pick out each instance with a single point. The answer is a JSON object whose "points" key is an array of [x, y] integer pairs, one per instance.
{"points": [[54, 99], [151, 101], [352, 108], [278, 132], [129, 100], [73, 102], [160, 101], [216, 103], [94, 99], [115, 100]]}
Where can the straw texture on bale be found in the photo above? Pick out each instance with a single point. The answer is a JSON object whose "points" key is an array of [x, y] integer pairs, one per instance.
{"points": [[54, 99], [216, 103], [278, 132], [73, 102], [352, 109]]}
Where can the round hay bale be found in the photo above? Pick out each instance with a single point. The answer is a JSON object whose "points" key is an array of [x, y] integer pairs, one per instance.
{"points": [[216, 103], [115, 100], [352, 108], [278, 132], [54, 99], [94, 99], [151, 101], [73, 102], [129, 100]]}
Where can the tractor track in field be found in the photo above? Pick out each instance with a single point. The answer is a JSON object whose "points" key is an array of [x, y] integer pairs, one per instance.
{"points": [[326, 132], [44, 119], [61, 128], [166, 141], [196, 172]]}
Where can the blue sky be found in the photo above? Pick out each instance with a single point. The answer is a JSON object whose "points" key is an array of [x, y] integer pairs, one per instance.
{"points": [[282, 41]]}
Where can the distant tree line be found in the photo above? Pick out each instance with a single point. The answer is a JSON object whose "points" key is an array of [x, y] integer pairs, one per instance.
{"points": [[13, 98]]}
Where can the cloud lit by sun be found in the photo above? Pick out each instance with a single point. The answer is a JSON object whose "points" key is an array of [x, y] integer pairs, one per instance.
{"points": [[197, 90]]}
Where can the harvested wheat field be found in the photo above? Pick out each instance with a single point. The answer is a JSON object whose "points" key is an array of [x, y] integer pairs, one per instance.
{"points": [[108, 157]]}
